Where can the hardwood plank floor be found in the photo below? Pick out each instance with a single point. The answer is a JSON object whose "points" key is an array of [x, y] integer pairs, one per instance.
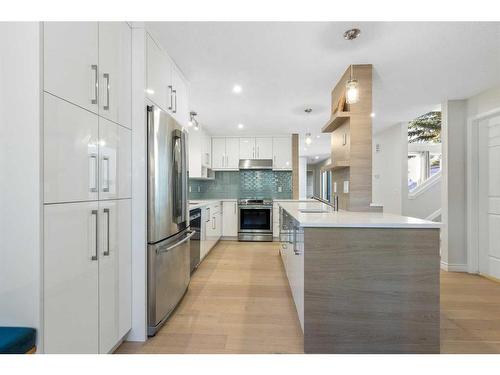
{"points": [[239, 302]]}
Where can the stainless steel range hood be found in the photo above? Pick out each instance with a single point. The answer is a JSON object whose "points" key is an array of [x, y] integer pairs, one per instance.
{"points": [[256, 164]]}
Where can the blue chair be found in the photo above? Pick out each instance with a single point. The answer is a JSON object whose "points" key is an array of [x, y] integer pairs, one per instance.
{"points": [[17, 340]]}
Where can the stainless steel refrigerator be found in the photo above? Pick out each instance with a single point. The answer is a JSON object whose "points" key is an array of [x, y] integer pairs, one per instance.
{"points": [[168, 217]]}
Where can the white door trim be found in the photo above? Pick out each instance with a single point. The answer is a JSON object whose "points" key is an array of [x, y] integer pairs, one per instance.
{"points": [[473, 189]]}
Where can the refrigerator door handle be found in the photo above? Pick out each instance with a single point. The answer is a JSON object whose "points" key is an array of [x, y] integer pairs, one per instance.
{"points": [[164, 250]]}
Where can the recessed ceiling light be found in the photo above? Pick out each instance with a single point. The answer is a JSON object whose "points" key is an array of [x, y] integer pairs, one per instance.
{"points": [[237, 89], [352, 34], [305, 148], [316, 157], [318, 136], [372, 114], [241, 126]]}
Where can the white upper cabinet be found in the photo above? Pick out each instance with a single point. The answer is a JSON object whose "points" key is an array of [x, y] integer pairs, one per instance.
{"points": [[71, 246], [206, 151], [218, 153], [225, 153], [247, 148], [115, 69], [180, 105], [71, 61], [263, 148], [158, 76], [232, 153], [199, 153], [115, 282], [115, 161], [71, 155], [282, 153]]}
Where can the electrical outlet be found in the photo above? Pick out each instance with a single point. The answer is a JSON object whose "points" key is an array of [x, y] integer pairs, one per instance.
{"points": [[199, 190], [190, 188], [346, 187], [280, 189], [334, 187]]}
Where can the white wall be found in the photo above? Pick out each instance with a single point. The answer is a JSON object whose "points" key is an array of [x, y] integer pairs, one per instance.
{"points": [[389, 167], [20, 168]]}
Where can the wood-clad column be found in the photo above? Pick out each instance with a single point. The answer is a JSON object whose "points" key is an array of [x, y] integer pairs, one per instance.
{"points": [[295, 166]]}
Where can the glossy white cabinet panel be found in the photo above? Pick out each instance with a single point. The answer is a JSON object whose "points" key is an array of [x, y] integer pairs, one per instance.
{"points": [[207, 151], [218, 153], [115, 161], [158, 76], [232, 153], [282, 153], [247, 148], [71, 159], [263, 148], [71, 62], [114, 272], [71, 315], [115, 70], [180, 108], [230, 218]]}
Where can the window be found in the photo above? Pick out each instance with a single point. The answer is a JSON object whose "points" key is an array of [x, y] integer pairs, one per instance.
{"points": [[424, 148]]}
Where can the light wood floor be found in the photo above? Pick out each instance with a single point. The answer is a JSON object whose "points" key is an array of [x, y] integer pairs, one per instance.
{"points": [[239, 302]]}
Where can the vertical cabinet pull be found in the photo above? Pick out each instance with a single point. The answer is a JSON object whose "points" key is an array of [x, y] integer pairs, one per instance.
{"points": [[227, 161], [93, 173], [175, 101], [213, 222], [106, 77], [170, 94], [95, 213], [235, 208], [222, 160], [105, 174], [95, 84], [106, 253]]}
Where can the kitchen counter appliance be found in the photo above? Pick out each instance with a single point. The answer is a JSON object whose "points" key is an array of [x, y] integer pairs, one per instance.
{"points": [[255, 219], [195, 226], [168, 233]]}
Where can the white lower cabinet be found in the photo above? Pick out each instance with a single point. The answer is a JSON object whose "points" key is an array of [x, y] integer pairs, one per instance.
{"points": [[87, 276], [230, 218], [212, 225]]}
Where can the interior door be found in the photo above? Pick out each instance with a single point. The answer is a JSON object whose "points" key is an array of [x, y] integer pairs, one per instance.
{"points": [[115, 70], [71, 246], [489, 197], [71, 62], [71, 161], [114, 272]]}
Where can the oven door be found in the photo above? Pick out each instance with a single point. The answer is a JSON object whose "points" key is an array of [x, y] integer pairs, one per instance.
{"points": [[255, 223]]}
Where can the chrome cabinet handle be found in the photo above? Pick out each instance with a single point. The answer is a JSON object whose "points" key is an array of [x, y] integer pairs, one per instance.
{"points": [[94, 212], [93, 173], [96, 84], [227, 160], [235, 207], [106, 253], [105, 160], [258, 153], [170, 89], [175, 101], [164, 250], [274, 159], [106, 77], [213, 222]]}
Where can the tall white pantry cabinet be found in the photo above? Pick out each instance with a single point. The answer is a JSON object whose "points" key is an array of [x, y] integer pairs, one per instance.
{"points": [[87, 171]]}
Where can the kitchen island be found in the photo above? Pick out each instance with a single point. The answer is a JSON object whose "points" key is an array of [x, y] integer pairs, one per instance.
{"points": [[362, 282]]}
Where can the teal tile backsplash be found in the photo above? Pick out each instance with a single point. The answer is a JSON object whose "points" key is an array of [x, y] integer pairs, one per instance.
{"points": [[243, 184]]}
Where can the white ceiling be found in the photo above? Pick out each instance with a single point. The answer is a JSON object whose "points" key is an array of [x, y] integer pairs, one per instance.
{"points": [[285, 67]]}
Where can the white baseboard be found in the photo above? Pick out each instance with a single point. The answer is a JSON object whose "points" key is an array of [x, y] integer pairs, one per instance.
{"points": [[453, 267]]}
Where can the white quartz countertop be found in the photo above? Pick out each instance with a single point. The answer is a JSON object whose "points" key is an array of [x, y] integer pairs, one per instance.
{"points": [[194, 204], [347, 219]]}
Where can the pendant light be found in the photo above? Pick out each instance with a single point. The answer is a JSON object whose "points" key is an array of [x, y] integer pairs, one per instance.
{"points": [[352, 90]]}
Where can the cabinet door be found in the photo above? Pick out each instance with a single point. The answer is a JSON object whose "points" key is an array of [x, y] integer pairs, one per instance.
{"points": [[180, 108], [70, 152], [232, 153], [206, 156], [115, 278], [282, 153], [263, 148], [115, 70], [115, 156], [70, 54], [230, 219], [247, 148], [71, 311], [218, 153], [158, 75]]}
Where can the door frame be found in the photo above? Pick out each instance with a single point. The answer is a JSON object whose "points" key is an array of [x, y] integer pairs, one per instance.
{"points": [[473, 188]]}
